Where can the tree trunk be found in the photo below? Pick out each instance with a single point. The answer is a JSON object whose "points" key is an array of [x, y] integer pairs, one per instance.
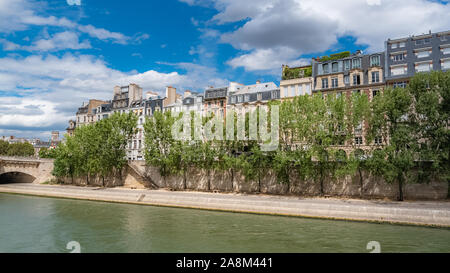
{"points": [[361, 183], [321, 184], [103, 181], [259, 181], [184, 180], [232, 180], [400, 188], [209, 180], [448, 191]]}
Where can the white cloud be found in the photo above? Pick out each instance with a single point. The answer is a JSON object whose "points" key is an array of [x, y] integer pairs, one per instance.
{"points": [[51, 88], [74, 2], [17, 15], [267, 60], [60, 41], [312, 26]]}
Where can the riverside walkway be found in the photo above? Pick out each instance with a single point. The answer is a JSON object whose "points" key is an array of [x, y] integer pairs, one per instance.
{"points": [[423, 213]]}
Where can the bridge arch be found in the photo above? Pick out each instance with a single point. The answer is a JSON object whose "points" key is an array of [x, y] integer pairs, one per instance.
{"points": [[16, 177], [25, 170]]}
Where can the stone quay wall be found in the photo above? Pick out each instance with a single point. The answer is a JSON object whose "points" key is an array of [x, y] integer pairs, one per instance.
{"points": [[373, 187]]}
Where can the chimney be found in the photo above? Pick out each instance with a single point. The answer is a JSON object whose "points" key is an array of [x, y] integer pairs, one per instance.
{"points": [[187, 93], [258, 82], [171, 95], [116, 90]]}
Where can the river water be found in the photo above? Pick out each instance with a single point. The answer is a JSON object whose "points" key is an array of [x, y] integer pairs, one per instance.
{"points": [[35, 224]]}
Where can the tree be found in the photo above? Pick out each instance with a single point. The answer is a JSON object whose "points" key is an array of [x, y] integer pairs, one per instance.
{"points": [[431, 96], [158, 141], [96, 150], [4, 147], [20, 149], [359, 112], [47, 153], [391, 117]]}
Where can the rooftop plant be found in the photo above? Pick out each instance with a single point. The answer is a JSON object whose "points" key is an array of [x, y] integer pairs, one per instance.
{"points": [[296, 72], [335, 56]]}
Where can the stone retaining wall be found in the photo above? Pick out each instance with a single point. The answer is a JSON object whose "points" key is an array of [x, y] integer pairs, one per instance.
{"points": [[374, 187]]}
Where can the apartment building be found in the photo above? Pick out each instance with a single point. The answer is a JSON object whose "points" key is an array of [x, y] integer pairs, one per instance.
{"points": [[404, 57], [344, 73], [86, 114], [249, 97], [296, 81]]}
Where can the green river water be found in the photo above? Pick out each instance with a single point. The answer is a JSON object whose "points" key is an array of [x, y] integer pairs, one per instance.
{"points": [[35, 224]]}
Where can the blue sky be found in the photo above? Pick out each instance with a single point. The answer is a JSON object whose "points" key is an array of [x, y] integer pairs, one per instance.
{"points": [[56, 54]]}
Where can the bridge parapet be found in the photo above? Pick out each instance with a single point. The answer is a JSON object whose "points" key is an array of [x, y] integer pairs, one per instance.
{"points": [[40, 169]]}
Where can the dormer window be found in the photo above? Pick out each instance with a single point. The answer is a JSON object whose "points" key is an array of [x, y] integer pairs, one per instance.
{"points": [[356, 63]]}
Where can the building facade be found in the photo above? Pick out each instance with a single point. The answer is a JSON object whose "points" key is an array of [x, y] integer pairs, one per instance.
{"points": [[296, 81], [407, 56], [86, 114], [248, 97]]}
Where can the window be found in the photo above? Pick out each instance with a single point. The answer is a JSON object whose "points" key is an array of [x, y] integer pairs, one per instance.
{"points": [[398, 57], [358, 141], [325, 68], [221, 103], [246, 99], [357, 63], [292, 91], [378, 140], [324, 83], [399, 70], [274, 95], [233, 99], [356, 79], [446, 50], [347, 79], [259, 96], [338, 94], [334, 67], [399, 85], [334, 82], [347, 64], [394, 46], [239, 98], [375, 77], [423, 54], [308, 89], [375, 93], [375, 60], [445, 64], [423, 67], [357, 91], [300, 89], [419, 42], [443, 38]]}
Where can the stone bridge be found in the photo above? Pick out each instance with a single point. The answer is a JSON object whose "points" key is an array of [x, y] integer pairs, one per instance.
{"points": [[25, 170]]}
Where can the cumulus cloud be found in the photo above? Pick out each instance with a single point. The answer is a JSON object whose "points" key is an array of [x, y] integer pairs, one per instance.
{"points": [[48, 89], [17, 15], [280, 31], [74, 2], [60, 41]]}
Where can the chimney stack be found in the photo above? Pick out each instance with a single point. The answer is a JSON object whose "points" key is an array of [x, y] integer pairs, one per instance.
{"points": [[171, 95], [187, 93]]}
